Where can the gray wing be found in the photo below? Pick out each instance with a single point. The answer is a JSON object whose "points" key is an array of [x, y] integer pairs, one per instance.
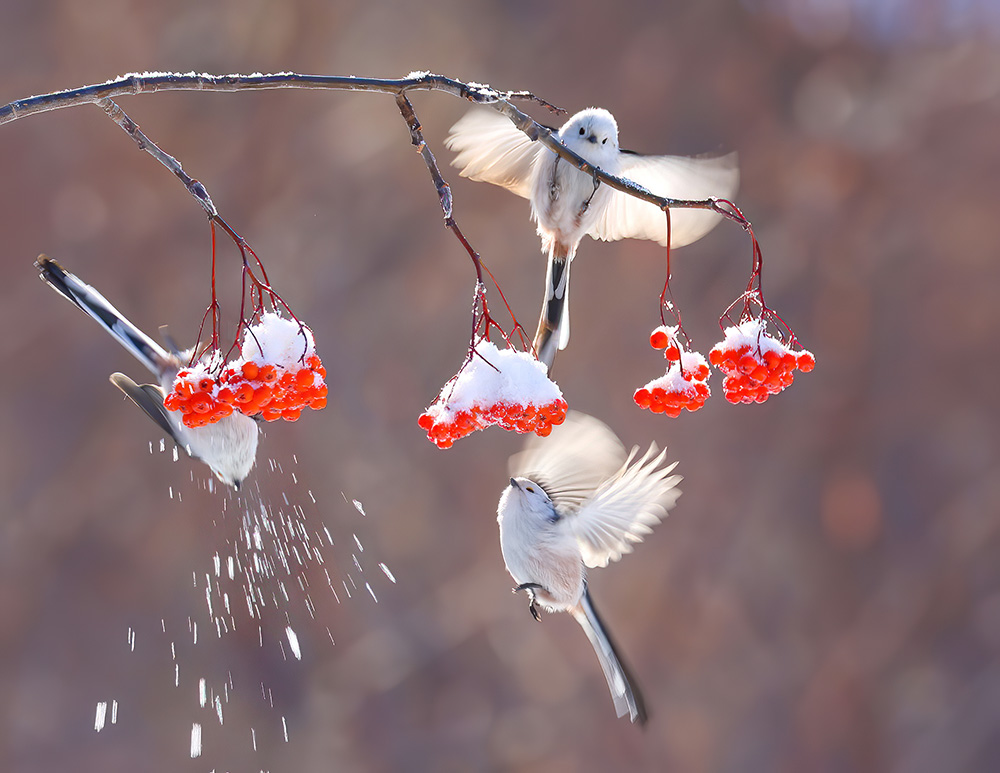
{"points": [[676, 177], [150, 399], [572, 462], [489, 148], [625, 508]]}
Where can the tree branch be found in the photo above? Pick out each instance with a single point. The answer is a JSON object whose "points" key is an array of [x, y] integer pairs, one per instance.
{"points": [[146, 83]]}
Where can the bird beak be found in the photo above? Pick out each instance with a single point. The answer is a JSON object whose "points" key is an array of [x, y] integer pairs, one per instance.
{"points": [[237, 484], [592, 138], [515, 484]]}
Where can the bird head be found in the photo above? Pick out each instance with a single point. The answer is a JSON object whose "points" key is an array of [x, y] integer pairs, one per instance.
{"points": [[527, 498], [593, 127]]}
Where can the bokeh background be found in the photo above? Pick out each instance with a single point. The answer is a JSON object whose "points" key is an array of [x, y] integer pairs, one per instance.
{"points": [[826, 595]]}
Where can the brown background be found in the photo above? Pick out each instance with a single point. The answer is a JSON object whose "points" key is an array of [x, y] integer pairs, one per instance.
{"points": [[826, 596]]}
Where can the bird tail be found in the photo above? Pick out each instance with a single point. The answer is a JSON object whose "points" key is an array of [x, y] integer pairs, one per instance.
{"points": [[624, 691], [147, 351], [553, 324]]}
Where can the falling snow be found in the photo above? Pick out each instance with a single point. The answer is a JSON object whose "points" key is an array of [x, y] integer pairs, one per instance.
{"points": [[279, 562], [195, 740], [293, 642]]}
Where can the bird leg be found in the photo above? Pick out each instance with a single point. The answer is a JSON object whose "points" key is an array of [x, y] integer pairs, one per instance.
{"points": [[530, 588], [586, 202]]}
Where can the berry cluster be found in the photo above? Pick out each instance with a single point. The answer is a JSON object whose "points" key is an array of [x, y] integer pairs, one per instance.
{"points": [[685, 384], [756, 364], [507, 388], [273, 391], [278, 375], [444, 427]]}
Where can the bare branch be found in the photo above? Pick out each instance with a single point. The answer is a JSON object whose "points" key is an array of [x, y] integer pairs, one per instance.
{"points": [[443, 188], [481, 317], [146, 83]]}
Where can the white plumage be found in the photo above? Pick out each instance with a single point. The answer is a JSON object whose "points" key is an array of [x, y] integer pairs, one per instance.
{"points": [[576, 500]]}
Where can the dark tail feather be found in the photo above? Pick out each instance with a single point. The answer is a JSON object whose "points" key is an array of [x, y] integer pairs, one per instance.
{"points": [[624, 689], [147, 351], [553, 323]]}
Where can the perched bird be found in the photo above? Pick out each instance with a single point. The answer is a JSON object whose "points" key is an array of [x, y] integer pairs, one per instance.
{"points": [[575, 501], [568, 204], [228, 447]]}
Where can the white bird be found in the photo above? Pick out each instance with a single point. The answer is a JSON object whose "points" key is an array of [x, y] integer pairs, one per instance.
{"points": [[228, 447], [568, 204], [575, 501]]}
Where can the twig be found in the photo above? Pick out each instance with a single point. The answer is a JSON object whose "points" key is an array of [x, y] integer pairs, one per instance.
{"points": [[479, 318], [442, 187], [259, 287], [132, 129]]}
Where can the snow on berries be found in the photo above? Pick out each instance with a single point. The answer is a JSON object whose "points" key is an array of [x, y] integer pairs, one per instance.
{"points": [[685, 384], [277, 375], [508, 388], [665, 337], [756, 364]]}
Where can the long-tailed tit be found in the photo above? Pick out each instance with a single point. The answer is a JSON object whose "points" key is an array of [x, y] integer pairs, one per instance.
{"points": [[575, 501], [569, 204], [229, 447]]}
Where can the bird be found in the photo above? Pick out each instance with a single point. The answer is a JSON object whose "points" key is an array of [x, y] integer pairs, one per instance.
{"points": [[568, 204], [228, 447], [575, 501]]}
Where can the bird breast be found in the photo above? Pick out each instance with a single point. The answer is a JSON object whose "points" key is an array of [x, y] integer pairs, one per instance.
{"points": [[546, 555], [564, 200]]}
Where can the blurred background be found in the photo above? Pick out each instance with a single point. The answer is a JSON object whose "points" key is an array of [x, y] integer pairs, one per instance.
{"points": [[826, 595]]}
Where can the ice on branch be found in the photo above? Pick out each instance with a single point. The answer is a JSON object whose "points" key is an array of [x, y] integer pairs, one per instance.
{"points": [[756, 364], [504, 387], [277, 375]]}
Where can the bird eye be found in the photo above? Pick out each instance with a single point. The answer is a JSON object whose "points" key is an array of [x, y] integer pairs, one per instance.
{"points": [[581, 131], [604, 141], [530, 489]]}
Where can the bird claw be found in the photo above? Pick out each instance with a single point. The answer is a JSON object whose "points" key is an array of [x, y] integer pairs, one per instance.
{"points": [[530, 588]]}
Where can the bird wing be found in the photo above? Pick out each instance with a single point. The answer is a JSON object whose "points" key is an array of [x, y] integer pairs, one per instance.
{"points": [[625, 508], [572, 462], [150, 399], [491, 149], [675, 177]]}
